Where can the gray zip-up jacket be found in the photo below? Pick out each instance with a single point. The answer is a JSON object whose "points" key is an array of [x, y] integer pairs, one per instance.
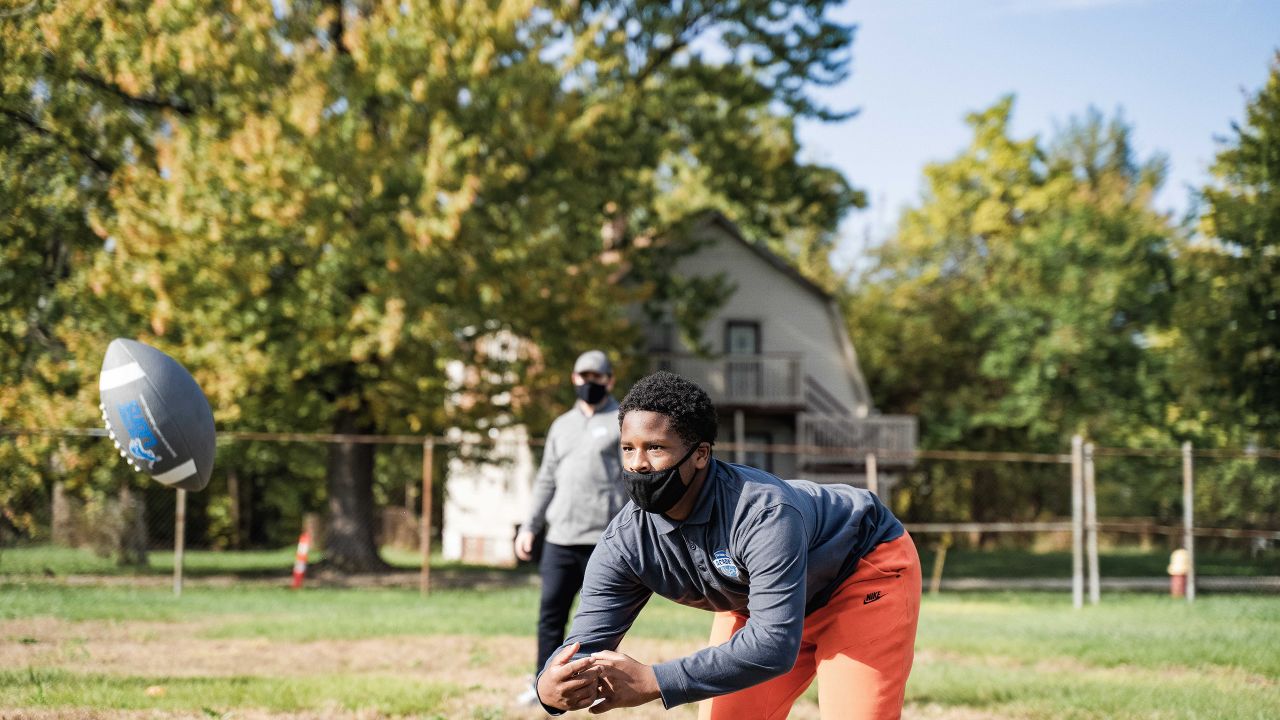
{"points": [[578, 488], [777, 549]]}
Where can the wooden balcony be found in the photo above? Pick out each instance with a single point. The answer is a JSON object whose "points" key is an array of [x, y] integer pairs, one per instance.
{"points": [[773, 381], [842, 440]]}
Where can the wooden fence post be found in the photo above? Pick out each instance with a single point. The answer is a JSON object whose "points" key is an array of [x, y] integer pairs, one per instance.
{"points": [[233, 506], [179, 541], [1188, 519], [428, 462], [1077, 521], [873, 480], [1091, 525], [935, 582]]}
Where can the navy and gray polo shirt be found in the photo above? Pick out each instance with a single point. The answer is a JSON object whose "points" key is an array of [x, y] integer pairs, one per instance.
{"points": [[776, 549]]}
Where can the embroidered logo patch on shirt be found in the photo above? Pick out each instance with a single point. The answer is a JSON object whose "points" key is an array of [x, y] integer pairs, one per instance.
{"points": [[724, 563]]}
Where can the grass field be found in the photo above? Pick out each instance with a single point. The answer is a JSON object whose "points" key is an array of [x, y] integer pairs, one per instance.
{"points": [[44, 560], [262, 651]]}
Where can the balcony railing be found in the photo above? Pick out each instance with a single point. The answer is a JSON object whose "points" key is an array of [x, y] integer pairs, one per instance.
{"points": [[841, 439], [774, 380]]}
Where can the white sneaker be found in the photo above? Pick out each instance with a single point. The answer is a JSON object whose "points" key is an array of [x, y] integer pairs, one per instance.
{"points": [[529, 698]]}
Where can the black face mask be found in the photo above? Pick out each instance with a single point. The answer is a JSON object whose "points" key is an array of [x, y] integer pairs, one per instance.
{"points": [[657, 491], [591, 393]]}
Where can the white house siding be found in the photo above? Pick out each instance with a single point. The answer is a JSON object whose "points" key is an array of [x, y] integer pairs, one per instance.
{"points": [[487, 498]]}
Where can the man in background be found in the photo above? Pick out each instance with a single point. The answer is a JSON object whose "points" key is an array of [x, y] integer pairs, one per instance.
{"points": [[576, 493]]}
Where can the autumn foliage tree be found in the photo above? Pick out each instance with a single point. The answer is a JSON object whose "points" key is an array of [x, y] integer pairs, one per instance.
{"points": [[321, 206]]}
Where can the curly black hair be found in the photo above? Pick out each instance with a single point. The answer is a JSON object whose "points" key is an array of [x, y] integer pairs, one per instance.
{"points": [[693, 417]]}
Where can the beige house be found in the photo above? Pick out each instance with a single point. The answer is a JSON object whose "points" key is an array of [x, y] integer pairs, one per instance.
{"points": [[781, 370]]}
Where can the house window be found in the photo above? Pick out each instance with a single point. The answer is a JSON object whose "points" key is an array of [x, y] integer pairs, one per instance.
{"points": [[743, 375], [742, 337]]}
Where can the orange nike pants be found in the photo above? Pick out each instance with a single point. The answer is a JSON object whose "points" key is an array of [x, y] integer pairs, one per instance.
{"points": [[860, 646]]}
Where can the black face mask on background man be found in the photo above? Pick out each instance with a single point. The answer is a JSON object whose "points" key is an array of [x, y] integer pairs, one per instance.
{"points": [[657, 491], [591, 393]]}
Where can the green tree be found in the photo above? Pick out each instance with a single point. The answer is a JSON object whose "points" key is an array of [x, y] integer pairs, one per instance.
{"points": [[1015, 305], [1228, 318], [340, 203], [1224, 346]]}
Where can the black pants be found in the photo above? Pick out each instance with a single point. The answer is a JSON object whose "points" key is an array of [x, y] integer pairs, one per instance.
{"points": [[562, 568]]}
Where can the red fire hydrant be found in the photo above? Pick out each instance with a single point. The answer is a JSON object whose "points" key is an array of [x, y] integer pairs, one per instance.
{"points": [[1179, 564]]}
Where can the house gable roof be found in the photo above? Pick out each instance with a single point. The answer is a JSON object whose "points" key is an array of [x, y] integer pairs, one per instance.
{"points": [[715, 218], [848, 354]]}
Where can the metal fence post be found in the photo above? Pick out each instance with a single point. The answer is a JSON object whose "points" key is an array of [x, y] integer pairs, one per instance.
{"points": [[179, 541], [1091, 525], [1077, 521], [428, 462], [1188, 519]]}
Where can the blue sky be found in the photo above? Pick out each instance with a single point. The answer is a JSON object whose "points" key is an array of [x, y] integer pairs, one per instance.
{"points": [[1177, 70]]}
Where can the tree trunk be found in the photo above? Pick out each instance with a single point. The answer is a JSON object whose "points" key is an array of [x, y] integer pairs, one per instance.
{"points": [[61, 533], [349, 538]]}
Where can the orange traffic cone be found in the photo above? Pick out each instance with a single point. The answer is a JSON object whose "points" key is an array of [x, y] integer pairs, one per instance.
{"points": [[300, 560]]}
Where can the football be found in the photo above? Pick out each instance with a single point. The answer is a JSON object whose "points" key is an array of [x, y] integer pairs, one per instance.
{"points": [[157, 415]]}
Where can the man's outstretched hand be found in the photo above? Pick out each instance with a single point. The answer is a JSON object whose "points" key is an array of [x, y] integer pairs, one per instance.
{"points": [[524, 545], [627, 682], [569, 684]]}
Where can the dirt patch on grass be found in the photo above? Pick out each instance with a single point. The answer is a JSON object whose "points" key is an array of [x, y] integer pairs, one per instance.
{"points": [[177, 650], [490, 671]]}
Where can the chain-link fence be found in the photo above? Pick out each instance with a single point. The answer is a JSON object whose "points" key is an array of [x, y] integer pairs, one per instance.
{"points": [[1083, 519]]}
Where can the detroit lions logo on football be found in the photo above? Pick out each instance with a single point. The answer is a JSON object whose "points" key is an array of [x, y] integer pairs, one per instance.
{"points": [[724, 563], [138, 450], [141, 438]]}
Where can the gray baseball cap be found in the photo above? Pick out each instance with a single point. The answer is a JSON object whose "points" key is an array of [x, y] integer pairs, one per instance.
{"points": [[593, 361]]}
